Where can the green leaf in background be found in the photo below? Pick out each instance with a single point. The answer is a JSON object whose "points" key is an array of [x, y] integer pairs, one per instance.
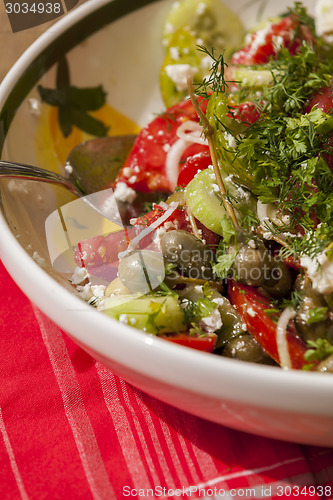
{"points": [[74, 103]]}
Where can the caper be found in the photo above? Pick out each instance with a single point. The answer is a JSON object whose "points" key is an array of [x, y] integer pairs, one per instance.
{"points": [[190, 256], [326, 366], [245, 348], [142, 270]]}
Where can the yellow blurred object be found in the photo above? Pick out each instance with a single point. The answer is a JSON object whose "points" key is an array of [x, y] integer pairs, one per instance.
{"points": [[52, 148], [116, 287]]}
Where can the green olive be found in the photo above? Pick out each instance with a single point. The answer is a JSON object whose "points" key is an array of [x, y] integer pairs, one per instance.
{"points": [[141, 271], [279, 283], [252, 264], [190, 256], [326, 366], [245, 348], [306, 327]]}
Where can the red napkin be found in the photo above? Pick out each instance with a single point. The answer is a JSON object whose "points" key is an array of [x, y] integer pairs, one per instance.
{"points": [[71, 429]]}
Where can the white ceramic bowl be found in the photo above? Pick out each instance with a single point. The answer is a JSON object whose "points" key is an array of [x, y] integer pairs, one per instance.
{"points": [[125, 56]]}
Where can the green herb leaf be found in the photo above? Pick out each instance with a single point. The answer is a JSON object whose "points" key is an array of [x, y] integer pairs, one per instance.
{"points": [[87, 123], [74, 103], [320, 350], [86, 99], [223, 265], [196, 311], [316, 315]]}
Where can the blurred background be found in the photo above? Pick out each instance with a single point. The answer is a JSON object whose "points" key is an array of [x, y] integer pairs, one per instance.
{"points": [[12, 45]]}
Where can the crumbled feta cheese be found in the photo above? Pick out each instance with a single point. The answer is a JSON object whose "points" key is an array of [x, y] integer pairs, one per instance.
{"points": [[201, 9], [251, 312], [174, 53], [324, 17], [320, 271], [277, 43], [98, 290], [84, 291], [230, 140], [124, 193], [21, 187], [123, 318], [38, 259], [34, 107], [244, 193], [160, 232], [68, 169], [127, 171], [79, 275], [169, 28], [260, 38], [212, 322], [179, 74]]}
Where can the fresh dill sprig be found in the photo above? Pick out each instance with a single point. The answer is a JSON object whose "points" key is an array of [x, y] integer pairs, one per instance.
{"points": [[215, 82]]}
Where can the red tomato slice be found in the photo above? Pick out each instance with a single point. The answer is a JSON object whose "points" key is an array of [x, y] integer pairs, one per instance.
{"points": [[206, 344], [178, 216], [289, 32], [193, 165], [252, 306], [144, 169], [323, 99], [101, 250], [293, 263], [245, 113]]}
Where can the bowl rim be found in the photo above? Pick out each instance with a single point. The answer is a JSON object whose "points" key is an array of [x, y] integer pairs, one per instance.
{"points": [[81, 319]]}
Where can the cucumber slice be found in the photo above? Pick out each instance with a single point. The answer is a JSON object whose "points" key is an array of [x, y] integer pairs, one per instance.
{"points": [[212, 21], [182, 58], [190, 23], [205, 201], [224, 137], [152, 314], [253, 78]]}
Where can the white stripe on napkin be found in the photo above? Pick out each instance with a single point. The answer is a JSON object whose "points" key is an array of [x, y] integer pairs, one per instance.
{"points": [[75, 411]]}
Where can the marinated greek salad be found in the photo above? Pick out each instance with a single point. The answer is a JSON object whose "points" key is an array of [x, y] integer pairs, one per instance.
{"points": [[227, 195]]}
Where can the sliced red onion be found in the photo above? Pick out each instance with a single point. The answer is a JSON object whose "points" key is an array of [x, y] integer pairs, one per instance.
{"points": [[192, 131], [281, 337], [172, 161]]}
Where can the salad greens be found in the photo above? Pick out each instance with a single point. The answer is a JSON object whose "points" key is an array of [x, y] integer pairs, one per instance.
{"points": [[242, 171]]}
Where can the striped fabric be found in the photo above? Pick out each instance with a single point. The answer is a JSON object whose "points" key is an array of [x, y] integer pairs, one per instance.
{"points": [[71, 429]]}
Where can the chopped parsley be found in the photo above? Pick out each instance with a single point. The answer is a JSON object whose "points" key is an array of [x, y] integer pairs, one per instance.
{"points": [[319, 350], [285, 153]]}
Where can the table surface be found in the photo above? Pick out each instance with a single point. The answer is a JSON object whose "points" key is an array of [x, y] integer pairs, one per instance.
{"points": [[71, 429]]}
